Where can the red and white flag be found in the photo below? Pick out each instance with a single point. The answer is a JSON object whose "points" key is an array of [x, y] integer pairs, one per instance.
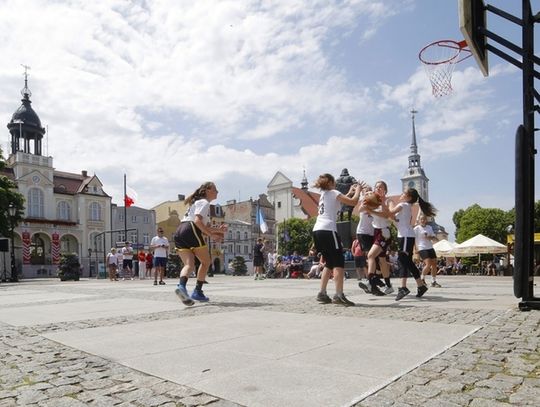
{"points": [[131, 197]]}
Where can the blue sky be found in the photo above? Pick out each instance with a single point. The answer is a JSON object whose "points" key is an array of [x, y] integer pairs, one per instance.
{"points": [[176, 93]]}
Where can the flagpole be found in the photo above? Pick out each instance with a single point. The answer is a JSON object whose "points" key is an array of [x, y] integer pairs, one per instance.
{"points": [[125, 210], [259, 216]]}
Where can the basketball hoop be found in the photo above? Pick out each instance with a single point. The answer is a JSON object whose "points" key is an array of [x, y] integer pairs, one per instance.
{"points": [[439, 59]]}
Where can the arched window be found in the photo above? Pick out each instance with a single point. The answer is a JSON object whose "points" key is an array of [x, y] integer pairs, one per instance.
{"points": [[94, 211], [35, 203], [238, 235], [63, 211], [245, 235]]}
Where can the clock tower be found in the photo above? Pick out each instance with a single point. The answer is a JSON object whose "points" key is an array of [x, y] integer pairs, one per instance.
{"points": [[415, 176]]}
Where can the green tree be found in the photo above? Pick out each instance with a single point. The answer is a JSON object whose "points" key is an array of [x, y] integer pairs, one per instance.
{"points": [[295, 235], [490, 222], [8, 195], [239, 266]]}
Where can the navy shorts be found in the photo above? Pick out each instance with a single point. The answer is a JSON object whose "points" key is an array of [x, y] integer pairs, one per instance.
{"points": [[160, 262]]}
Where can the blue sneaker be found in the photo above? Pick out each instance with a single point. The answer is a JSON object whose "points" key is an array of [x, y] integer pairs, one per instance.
{"points": [[198, 295], [181, 293]]}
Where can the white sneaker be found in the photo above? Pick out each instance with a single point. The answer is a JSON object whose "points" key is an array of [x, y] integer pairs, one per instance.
{"points": [[389, 290]]}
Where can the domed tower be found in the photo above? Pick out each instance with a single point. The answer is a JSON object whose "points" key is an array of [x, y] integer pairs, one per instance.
{"points": [[25, 126]]}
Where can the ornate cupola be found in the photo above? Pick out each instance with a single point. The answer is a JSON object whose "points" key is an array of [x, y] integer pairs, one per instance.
{"points": [[415, 176], [25, 125], [304, 182]]}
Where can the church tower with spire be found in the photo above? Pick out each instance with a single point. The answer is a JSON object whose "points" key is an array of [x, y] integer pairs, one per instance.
{"points": [[414, 176]]}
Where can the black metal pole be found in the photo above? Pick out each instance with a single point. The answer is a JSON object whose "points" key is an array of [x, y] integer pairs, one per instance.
{"points": [[14, 277], [527, 205], [125, 210]]}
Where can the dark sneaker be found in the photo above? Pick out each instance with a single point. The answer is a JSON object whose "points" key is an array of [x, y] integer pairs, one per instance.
{"points": [[198, 295], [377, 291], [162, 282], [323, 298], [421, 291], [435, 284], [181, 293], [365, 286], [155, 282], [342, 300], [389, 290], [402, 292], [378, 282]]}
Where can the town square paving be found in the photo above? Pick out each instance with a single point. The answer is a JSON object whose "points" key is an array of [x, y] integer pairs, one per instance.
{"points": [[265, 343]]}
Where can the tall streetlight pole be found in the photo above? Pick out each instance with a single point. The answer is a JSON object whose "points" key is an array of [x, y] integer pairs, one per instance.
{"points": [[12, 212]]}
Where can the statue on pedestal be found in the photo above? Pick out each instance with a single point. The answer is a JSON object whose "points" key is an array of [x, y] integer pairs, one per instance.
{"points": [[343, 185]]}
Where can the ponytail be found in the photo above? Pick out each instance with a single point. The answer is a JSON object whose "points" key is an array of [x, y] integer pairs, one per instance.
{"points": [[427, 208]]}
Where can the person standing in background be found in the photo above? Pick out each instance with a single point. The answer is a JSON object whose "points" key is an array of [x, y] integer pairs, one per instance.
{"points": [[258, 259], [141, 257], [112, 264], [127, 261], [160, 246]]}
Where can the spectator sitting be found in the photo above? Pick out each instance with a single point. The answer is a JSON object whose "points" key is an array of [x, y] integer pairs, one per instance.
{"points": [[280, 267], [316, 268], [296, 266]]}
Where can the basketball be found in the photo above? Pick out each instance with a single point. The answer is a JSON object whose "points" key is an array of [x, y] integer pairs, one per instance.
{"points": [[372, 200]]}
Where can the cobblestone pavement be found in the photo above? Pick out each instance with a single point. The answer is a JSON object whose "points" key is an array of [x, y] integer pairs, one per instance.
{"points": [[498, 365]]}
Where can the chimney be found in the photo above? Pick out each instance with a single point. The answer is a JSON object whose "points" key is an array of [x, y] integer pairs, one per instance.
{"points": [[84, 173]]}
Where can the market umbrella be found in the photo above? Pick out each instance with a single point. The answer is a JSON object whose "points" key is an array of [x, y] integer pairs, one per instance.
{"points": [[479, 244], [444, 248]]}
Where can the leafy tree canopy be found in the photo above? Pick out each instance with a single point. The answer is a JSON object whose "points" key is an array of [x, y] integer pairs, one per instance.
{"points": [[490, 222], [8, 195], [295, 235]]}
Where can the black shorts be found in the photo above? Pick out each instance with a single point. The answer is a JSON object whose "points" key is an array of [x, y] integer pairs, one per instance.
{"points": [[406, 244], [366, 241], [427, 254], [188, 237], [258, 261], [329, 245], [127, 263]]}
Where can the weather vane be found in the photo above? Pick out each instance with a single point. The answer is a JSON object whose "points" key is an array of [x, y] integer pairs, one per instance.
{"points": [[25, 91]]}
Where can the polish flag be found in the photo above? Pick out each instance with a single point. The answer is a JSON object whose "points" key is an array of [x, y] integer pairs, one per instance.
{"points": [[131, 197]]}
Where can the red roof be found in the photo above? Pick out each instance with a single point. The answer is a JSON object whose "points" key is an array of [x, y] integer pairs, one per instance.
{"points": [[309, 201]]}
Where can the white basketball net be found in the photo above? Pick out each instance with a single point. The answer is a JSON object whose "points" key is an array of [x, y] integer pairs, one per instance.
{"points": [[439, 60]]}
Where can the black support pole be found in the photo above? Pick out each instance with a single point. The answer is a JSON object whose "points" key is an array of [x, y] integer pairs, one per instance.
{"points": [[525, 193]]}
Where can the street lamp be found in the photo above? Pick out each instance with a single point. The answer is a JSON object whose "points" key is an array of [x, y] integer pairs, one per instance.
{"points": [[89, 262], [12, 212]]}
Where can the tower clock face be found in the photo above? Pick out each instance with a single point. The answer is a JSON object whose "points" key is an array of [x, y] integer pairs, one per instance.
{"points": [[36, 179], [411, 184]]}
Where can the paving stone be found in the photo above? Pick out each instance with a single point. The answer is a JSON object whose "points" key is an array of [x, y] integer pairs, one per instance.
{"points": [[526, 395], [61, 402], [202, 399], [26, 397], [488, 403], [61, 391]]}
